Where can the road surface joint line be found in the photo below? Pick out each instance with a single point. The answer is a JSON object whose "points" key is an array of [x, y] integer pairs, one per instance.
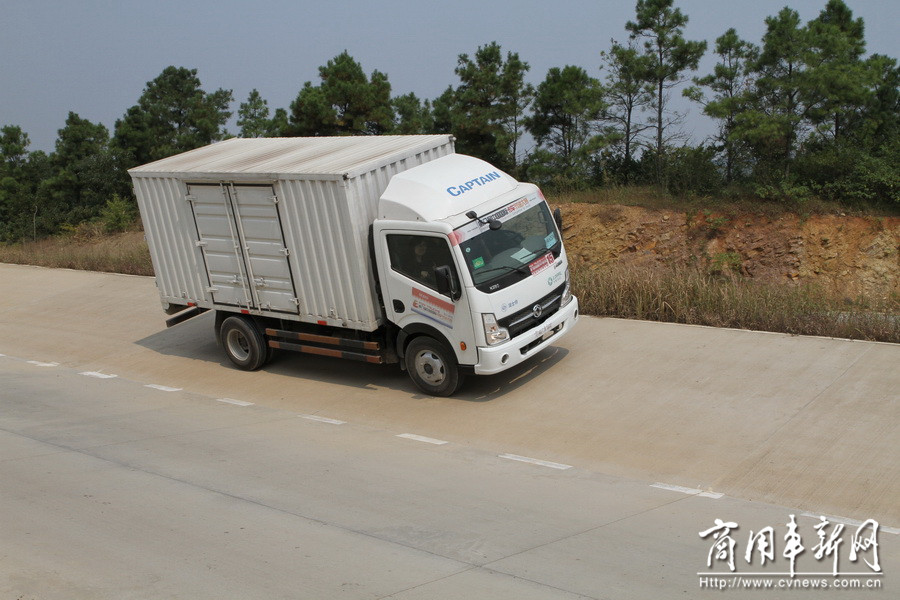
{"points": [[851, 522], [323, 420], [162, 388], [38, 363], [821, 392], [542, 584], [234, 496], [97, 375], [640, 513], [687, 490], [812, 515], [235, 402], [421, 438], [535, 461]]}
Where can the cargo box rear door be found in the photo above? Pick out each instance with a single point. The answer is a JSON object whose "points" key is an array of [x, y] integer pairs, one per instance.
{"points": [[218, 237], [267, 257]]}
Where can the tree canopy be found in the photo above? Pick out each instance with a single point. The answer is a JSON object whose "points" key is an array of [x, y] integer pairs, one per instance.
{"points": [[802, 112], [173, 114], [346, 102]]}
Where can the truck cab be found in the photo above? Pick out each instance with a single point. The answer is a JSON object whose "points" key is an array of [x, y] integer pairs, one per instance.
{"points": [[471, 269]]}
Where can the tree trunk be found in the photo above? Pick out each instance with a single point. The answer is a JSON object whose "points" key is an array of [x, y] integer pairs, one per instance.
{"points": [[659, 132]]}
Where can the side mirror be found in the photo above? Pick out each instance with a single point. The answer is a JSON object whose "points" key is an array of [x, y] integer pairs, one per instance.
{"points": [[557, 216], [446, 282]]}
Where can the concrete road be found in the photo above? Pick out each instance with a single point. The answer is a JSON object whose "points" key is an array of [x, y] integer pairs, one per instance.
{"points": [[644, 434]]}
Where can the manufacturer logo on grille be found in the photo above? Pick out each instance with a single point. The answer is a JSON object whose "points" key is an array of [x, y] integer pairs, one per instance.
{"points": [[536, 311]]}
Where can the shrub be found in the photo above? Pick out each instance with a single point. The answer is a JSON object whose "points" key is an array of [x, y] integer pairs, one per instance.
{"points": [[692, 171], [118, 214]]}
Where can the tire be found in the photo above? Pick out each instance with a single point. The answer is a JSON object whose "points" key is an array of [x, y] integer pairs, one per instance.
{"points": [[432, 366], [243, 342]]}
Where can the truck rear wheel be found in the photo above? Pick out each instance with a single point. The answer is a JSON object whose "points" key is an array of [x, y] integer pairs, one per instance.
{"points": [[433, 367], [244, 344]]}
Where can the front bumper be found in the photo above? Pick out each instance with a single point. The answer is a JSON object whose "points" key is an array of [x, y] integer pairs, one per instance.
{"points": [[495, 359]]}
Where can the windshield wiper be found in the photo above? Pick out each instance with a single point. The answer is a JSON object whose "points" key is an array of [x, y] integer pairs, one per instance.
{"points": [[507, 268]]}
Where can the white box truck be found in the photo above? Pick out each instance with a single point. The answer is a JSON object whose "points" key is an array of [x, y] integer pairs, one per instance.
{"points": [[386, 249]]}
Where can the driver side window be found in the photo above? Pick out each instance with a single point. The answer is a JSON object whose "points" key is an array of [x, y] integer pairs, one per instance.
{"points": [[416, 256]]}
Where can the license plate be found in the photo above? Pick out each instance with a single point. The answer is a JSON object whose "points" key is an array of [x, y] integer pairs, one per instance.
{"points": [[548, 334]]}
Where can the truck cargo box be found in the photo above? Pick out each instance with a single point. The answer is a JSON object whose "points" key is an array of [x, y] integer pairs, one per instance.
{"points": [[274, 226]]}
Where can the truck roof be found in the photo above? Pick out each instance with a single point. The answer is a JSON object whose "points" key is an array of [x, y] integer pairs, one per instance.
{"points": [[318, 157], [447, 186]]}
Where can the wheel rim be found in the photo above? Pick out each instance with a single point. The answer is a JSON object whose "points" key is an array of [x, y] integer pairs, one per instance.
{"points": [[238, 345], [430, 367]]}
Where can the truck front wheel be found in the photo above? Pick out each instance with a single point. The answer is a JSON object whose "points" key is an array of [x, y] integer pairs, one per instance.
{"points": [[244, 344], [433, 367]]}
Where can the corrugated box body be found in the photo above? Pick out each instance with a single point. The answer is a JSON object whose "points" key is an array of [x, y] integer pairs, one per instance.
{"points": [[274, 226]]}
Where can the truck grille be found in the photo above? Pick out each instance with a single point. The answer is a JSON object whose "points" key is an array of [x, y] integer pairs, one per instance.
{"points": [[523, 320]]}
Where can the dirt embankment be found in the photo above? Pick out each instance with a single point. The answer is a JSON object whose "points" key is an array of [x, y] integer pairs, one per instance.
{"points": [[854, 255]]}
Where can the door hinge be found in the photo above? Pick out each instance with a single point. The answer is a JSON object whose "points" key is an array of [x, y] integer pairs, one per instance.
{"points": [[201, 243], [212, 290], [190, 198], [286, 251]]}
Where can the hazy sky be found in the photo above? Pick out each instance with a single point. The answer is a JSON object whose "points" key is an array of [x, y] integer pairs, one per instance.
{"points": [[95, 57]]}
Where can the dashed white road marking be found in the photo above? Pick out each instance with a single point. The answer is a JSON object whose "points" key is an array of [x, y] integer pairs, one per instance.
{"points": [[851, 522], [515, 457], [323, 419], [235, 402], [420, 438], [97, 374], [713, 495], [163, 388], [536, 461], [687, 490]]}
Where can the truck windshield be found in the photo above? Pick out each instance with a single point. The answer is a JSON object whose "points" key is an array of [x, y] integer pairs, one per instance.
{"points": [[526, 242]]}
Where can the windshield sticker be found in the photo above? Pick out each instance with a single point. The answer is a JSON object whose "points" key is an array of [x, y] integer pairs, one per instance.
{"points": [[541, 264], [478, 262], [522, 254], [433, 308], [506, 213], [550, 240]]}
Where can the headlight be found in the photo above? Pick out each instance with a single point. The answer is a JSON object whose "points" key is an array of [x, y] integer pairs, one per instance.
{"points": [[567, 291], [493, 333]]}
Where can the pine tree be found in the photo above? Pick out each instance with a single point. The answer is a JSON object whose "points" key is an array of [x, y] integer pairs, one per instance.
{"points": [[668, 55], [730, 80], [626, 95], [174, 114], [346, 102], [485, 111], [568, 106]]}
